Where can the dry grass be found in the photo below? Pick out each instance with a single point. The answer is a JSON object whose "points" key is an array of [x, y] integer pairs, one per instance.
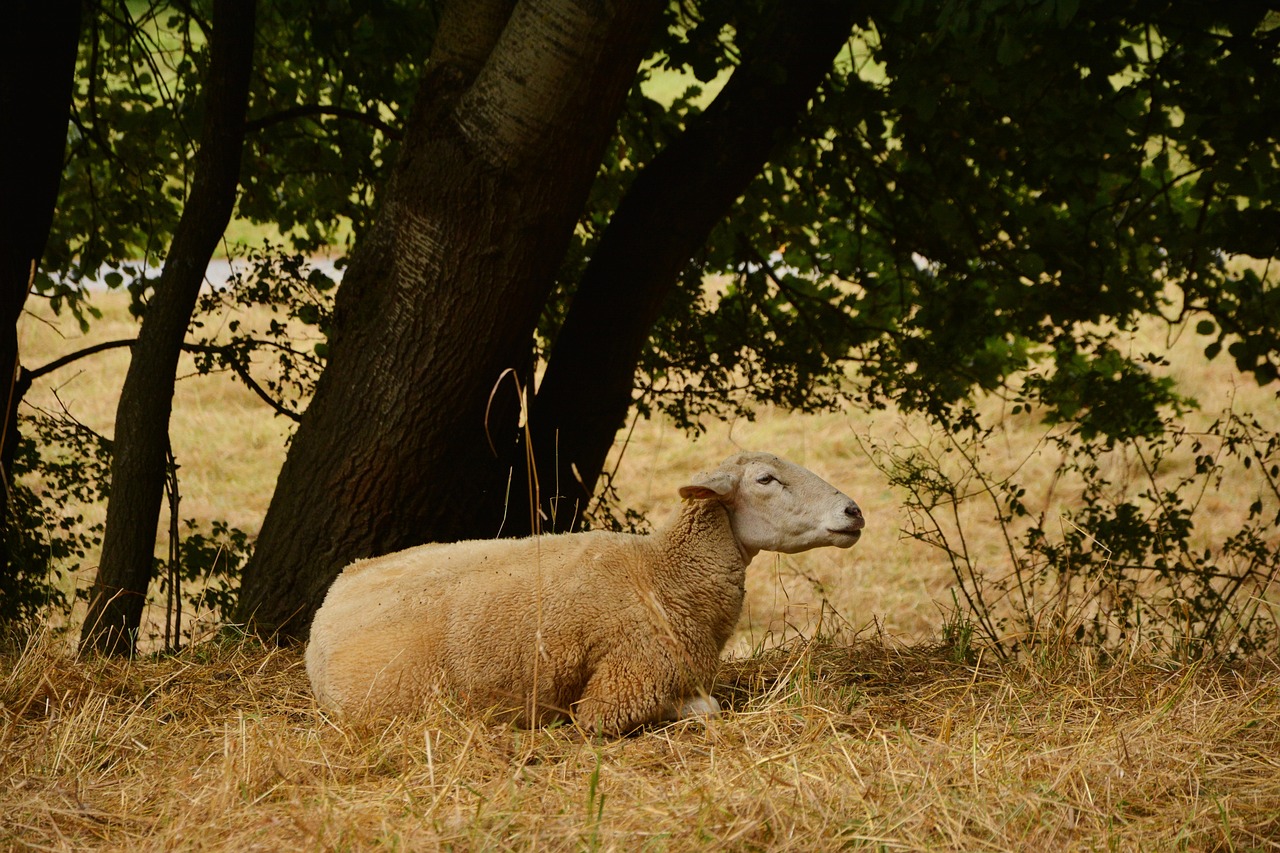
{"points": [[829, 745]]}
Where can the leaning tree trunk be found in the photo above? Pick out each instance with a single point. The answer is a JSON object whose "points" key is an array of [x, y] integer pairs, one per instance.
{"points": [[442, 297], [37, 70], [666, 217], [146, 400]]}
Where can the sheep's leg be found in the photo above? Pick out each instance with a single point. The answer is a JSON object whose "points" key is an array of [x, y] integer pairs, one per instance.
{"points": [[617, 699], [702, 705], [616, 712]]}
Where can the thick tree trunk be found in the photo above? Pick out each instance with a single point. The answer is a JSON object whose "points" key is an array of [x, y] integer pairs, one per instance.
{"points": [[667, 215], [37, 70], [442, 298], [142, 415]]}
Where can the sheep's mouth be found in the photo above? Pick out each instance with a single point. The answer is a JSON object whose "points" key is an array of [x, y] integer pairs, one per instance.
{"points": [[854, 533]]}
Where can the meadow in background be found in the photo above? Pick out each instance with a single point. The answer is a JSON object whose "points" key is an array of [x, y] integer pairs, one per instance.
{"points": [[229, 447]]}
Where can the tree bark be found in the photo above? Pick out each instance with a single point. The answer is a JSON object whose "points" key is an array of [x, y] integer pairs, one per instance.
{"points": [[142, 415], [442, 298], [666, 216], [37, 70]]}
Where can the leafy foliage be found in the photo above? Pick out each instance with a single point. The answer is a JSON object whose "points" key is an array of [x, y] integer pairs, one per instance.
{"points": [[330, 81], [296, 297], [133, 118], [989, 188], [57, 463], [205, 577], [333, 81], [61, 463], [1123, 564], [978, 188]]}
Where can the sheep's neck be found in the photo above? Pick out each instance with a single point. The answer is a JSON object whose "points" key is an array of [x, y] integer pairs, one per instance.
{"points": [[700, 582], [703, 517], [703, 547], [704, 527]]}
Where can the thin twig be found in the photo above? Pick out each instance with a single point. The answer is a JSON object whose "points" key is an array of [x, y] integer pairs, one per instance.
{"points": [[227, 351]]}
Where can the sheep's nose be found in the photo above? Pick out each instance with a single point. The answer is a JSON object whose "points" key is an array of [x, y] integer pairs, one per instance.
{"points": [[853, 511]]}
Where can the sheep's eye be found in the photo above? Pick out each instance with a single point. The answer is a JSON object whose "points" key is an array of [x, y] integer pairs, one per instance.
{"points": [[766, 479]]}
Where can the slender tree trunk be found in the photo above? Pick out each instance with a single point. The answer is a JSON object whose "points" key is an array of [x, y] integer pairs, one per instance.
{"points": [[666, 217], [142, 416], [37, 70], [442, 298]]}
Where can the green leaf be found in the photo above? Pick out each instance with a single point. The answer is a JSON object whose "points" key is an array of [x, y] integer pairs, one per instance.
{"points": [[1011, 49], [1066, 11]]}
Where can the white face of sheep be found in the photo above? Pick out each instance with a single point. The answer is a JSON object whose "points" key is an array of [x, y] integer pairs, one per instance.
{"points": [[775, 505]]}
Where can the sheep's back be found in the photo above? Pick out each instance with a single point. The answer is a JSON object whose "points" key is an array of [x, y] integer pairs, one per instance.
{"points": [[467, 617]]}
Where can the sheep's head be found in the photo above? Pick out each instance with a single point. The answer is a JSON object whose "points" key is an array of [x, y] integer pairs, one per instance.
{"points": [[775, 505]]}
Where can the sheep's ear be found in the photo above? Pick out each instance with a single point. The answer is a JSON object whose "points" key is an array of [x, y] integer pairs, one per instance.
{"points": [[717, 484]]}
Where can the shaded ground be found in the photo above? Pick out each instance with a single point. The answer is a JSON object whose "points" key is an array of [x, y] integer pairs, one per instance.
{"points": [[828, 745]]}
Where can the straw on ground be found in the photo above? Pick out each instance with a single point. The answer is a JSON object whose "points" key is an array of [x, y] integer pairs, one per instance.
{"points": [[857, 743]]}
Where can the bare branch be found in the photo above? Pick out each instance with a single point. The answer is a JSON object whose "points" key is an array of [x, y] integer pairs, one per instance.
{"points": [[306, 110], [242, 370], [227, 351], [58, 363]]}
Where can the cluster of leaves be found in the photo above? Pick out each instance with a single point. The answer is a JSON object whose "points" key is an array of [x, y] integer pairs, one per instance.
{"points": [[62, 467], [205, 575], [134, 114], [950, 220], [58, 463], [1125, 563], [330, 83], [282, 305]]}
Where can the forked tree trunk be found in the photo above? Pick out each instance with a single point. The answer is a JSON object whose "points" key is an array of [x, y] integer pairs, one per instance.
{"points": [[666, 217], [146, 400], [442, 297], [37, 70]]}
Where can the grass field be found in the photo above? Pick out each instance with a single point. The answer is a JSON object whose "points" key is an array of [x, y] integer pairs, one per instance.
{"points": [[848, 745], [850, 724]]}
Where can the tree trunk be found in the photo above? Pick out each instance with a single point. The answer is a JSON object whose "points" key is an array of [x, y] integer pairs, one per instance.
{"points": [[142, 415], [37, 70], [442, 298], [667, 215]]}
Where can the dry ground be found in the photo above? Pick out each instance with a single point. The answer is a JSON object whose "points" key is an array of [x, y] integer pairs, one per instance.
{"points": [[829, 745], [878, 738]]}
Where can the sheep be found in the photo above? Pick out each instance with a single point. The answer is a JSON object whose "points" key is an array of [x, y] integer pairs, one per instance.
{"points": [[611, 630]]}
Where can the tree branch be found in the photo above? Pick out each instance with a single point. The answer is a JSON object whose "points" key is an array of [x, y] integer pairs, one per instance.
{"points": [[242, 371], [226, 351], [58, 363], [307, 110]]}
